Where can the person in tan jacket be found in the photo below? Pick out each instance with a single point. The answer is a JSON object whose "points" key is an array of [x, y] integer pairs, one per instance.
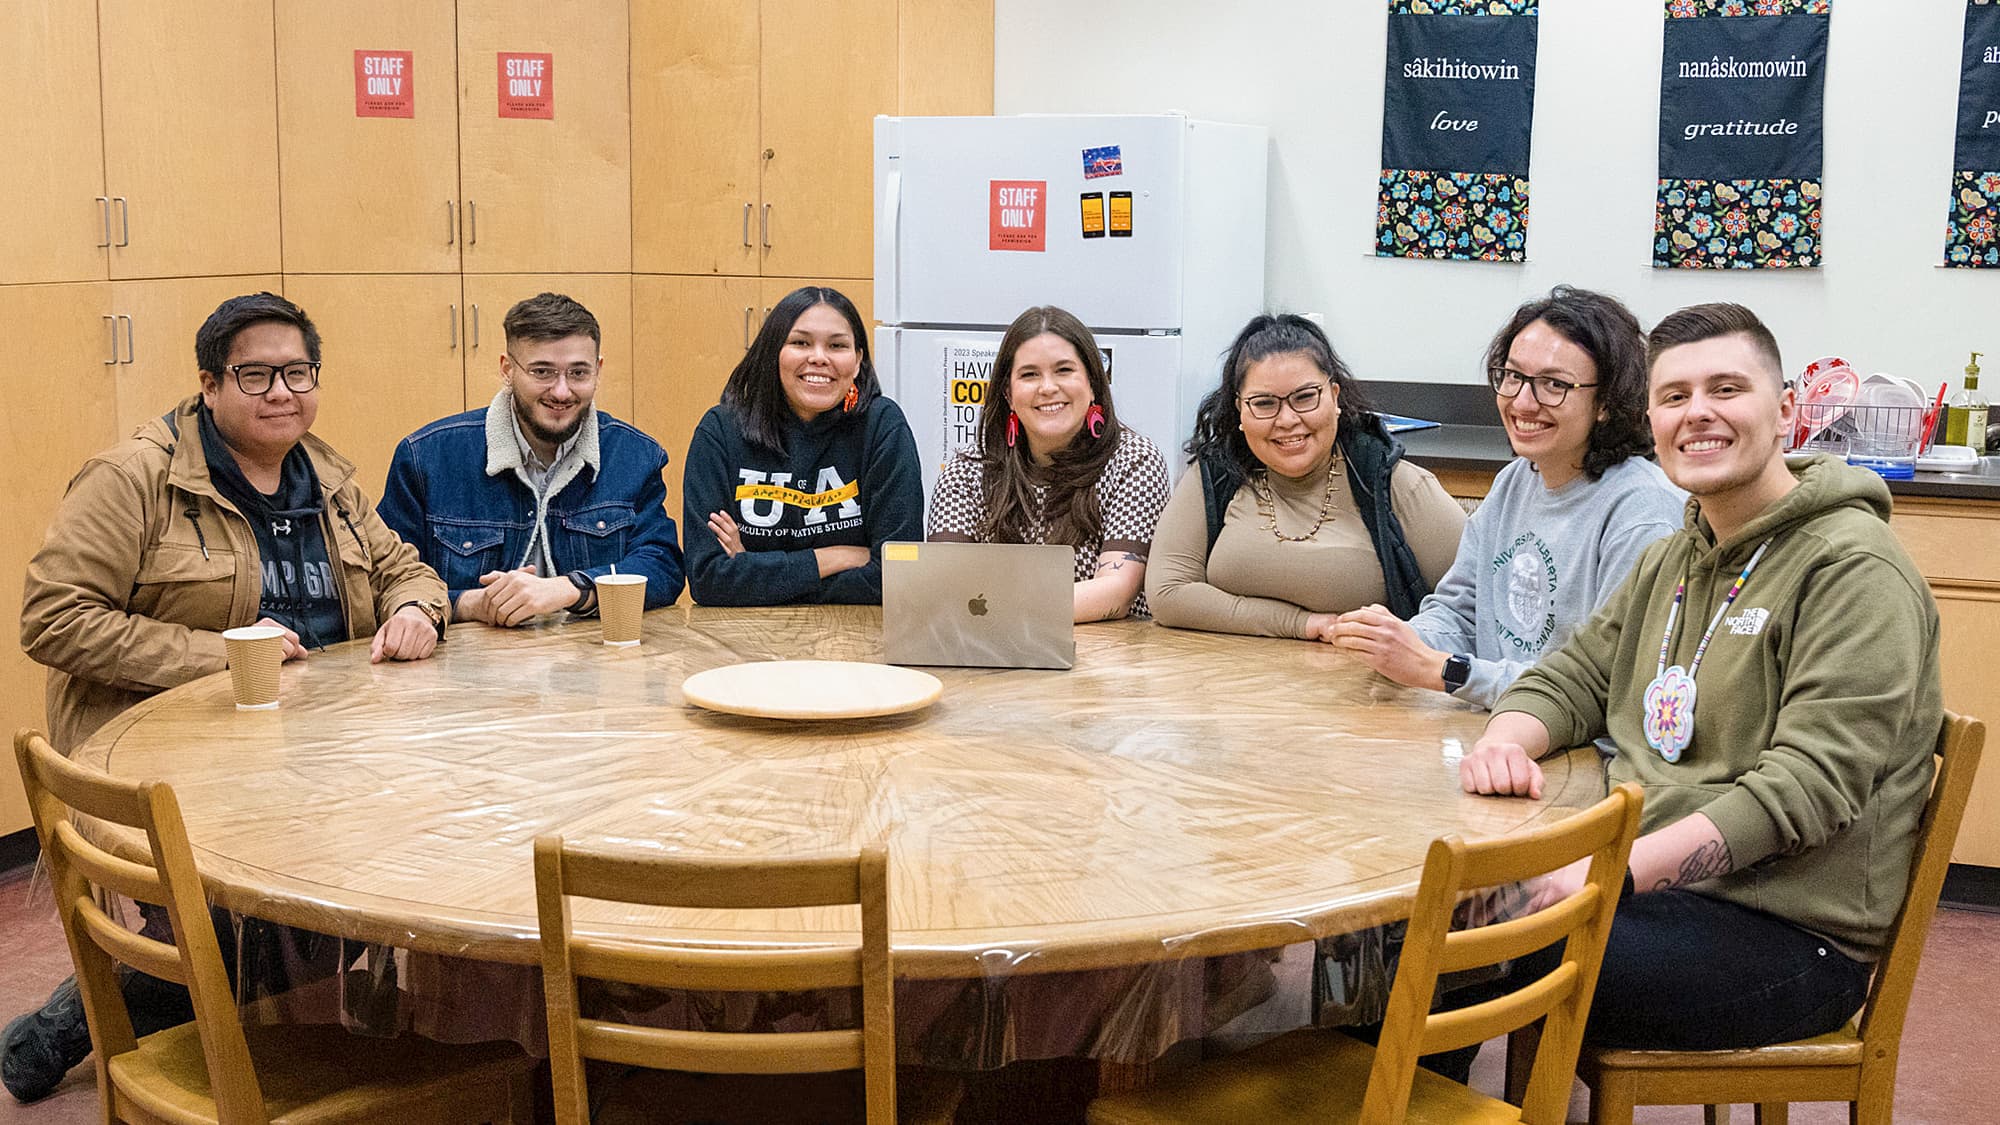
{"points": [[224, 511]]}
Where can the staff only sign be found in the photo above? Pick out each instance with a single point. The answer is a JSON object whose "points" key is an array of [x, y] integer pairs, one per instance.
{"points": [[1458, 106], [1971, 238], [1742, 104]]}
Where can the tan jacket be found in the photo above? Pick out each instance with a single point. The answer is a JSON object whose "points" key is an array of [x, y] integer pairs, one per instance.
{"points": [[145, 564]]}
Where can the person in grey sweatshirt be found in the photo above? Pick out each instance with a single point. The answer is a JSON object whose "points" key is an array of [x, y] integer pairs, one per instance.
{"points": [[1564, 520]]}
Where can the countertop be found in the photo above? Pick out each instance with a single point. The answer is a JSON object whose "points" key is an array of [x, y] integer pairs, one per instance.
{"points": [[1485, 448]]}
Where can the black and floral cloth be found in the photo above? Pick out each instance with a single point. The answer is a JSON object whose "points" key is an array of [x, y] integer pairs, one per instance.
{"points": [[1737, 224], [1975, 210], [1690, 9], [1468, 216], [1970, 240], [1464, 7]]}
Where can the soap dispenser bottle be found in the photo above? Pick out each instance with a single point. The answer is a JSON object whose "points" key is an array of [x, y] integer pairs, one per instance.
{"points": [[1965, 418]]}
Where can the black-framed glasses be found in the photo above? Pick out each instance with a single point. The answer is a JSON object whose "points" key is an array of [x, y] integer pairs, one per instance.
{"points": [[545, 375], [256, 378], [1547, 389], [1305, 400]]}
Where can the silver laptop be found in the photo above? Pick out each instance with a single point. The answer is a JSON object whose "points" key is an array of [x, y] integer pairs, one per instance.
{"points": [[978, 605]]}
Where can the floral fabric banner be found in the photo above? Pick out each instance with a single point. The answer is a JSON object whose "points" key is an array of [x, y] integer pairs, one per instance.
{"points": [[1742, 110], [1457, 112], [1970, 237]]}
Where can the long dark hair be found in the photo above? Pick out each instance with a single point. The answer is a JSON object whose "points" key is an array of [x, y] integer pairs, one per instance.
{"points": [[1607, 331], [1218, 429], [754, 393], [1008, 474]]}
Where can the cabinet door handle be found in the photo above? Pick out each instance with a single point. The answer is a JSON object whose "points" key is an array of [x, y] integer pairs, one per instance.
{"points": [[453, 310], [131, 351], [104, 213], [472, 214], [767, 226], [475, 328], [450, 224], [746, 225], [124, 221], [747, 310], [111, 322]]}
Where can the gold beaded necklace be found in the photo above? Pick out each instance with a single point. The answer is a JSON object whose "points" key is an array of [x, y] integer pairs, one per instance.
{"points": [[1260, 488]]}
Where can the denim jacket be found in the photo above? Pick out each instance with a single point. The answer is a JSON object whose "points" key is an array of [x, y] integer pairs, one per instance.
{"points": [[466, 518]]}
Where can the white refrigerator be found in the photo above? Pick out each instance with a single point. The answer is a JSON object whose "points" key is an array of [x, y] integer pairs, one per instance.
{"points": [[1149, 228]]}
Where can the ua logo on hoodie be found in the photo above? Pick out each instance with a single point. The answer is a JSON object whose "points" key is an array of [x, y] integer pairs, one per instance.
{"points": [[762, 497]]}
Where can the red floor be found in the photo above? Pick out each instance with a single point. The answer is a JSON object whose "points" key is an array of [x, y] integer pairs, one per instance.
{"points": [[1950, 1047]]}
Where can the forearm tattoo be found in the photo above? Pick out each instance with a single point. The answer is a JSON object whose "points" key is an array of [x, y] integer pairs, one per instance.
{"points": [[1119, 562], [1705, 862]]}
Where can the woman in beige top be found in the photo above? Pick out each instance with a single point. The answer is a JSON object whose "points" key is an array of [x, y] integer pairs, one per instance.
{"points": [[1299, 506]]}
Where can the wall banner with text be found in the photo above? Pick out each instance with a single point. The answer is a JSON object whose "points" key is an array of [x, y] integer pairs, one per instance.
{"points": [[1970, 237], [1742, 110], [1458, 107]]}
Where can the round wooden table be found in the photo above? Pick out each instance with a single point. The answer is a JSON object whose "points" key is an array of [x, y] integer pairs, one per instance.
{"points": [[1175, 795]]}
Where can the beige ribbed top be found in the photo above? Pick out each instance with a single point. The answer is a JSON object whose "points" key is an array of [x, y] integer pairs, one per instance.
{"points": [[1255, 583]]}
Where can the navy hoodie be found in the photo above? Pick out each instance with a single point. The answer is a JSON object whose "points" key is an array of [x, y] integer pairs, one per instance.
{"points": [[846, 479]]}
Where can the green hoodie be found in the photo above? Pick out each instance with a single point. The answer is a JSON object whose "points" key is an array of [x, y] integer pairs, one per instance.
{"points": [[1818, 702]]}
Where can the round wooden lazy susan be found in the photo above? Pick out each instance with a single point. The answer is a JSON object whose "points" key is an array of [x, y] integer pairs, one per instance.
{"points": [[812, 689]]}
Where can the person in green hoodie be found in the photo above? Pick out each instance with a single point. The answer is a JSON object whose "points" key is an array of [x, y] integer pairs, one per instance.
{"points": [[1769, 674], [796, 479]]}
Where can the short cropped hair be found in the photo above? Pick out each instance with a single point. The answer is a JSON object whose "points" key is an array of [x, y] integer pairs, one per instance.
{"points": [[550, 316], [1696, 323], [218, 333]]}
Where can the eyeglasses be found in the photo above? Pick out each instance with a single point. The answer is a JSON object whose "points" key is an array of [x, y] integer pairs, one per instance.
{"points": [[1547, 389], [256, 378], [545, 375], [1305, 400]]}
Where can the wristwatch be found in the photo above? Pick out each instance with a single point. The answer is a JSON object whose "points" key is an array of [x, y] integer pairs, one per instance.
{"points": [[431, 610], [584, 589], [1457, 670]]}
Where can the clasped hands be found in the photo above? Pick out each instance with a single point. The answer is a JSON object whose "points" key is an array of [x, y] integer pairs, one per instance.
{"points": [[510, 597], [1382, 641]]}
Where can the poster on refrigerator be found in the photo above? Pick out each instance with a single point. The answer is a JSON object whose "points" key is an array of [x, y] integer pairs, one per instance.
{"points": [[966, 365], [1017, 215], [1458, 106], [1970, 236], [1742, 104]]}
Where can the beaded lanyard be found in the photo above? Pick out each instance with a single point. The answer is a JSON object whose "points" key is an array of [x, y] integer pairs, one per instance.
{"points": [[1669, 709]]}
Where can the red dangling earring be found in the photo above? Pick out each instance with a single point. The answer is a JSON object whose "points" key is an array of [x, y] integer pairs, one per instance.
{"points": [[1013, 428], [1094, 420], [853, 398]]}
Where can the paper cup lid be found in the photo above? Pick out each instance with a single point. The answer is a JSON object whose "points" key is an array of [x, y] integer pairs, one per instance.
{"points": [[620, 579], [252, 633]]}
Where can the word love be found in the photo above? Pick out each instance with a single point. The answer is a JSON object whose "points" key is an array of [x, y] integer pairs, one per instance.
{"points": [[1444, 122]]}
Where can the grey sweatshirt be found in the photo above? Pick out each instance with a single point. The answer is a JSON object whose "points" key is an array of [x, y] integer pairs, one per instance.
{"points": [[1534, 564]]}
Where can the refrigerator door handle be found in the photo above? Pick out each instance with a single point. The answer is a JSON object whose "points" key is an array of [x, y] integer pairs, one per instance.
{"points": [[889, 235]]}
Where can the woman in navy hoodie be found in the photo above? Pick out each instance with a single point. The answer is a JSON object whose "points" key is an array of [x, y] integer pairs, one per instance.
{"points": [[798, 476]]}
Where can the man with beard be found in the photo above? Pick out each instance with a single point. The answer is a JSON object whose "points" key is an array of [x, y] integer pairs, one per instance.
{"points": [[523, 505]]}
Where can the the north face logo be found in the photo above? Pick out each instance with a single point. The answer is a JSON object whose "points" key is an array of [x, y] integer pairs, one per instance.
{"points": [[1749, 623]]}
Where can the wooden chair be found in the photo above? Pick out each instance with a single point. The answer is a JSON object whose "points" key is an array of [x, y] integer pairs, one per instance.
{"points": [[703, 1075], [215, 1069], [1325, 1076], [1856, 1064]]}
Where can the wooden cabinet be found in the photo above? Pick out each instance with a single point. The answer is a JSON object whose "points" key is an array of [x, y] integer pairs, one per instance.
{"points": [[56, 225], [695, 150], [59, 412], [691, 331], [367, 194], [190, 137], [394, 355], [550, 194]]}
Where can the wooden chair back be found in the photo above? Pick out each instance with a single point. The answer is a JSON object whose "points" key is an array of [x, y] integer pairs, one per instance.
{"points": [[1961, 742], [1582, 921], [563, 872], [84, 875]]}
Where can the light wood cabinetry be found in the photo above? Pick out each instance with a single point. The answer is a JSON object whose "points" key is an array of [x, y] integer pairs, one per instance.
{"points": [[60, 398], [190, 137], [394, 358], [608, 296], [156, 322], [690, 331], [56, 224], [367, 194], [695, 151], [550, 194]]}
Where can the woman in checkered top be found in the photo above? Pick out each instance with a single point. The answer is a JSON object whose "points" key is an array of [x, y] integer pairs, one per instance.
{"points": [[1054, 466]]}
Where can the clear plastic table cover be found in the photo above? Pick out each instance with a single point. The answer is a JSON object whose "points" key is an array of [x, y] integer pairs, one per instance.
{"points": [[1101, 862]]}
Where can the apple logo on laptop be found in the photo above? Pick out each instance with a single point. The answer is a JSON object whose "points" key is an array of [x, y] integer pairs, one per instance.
{"points": [[977, 606]]}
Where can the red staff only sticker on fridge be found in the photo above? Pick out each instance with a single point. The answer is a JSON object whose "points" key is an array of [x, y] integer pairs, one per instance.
{"points": [[1018, 216], [527, 84], [384, 84]]}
